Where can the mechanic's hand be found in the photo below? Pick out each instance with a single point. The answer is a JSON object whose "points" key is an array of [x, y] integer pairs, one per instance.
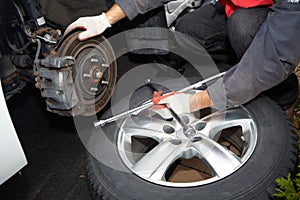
{"points": [[200, 100], [178, 102], [161, 110], [93, 26]]}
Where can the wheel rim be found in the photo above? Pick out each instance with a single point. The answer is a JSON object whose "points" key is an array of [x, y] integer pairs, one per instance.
{"points": [[156, 160]]}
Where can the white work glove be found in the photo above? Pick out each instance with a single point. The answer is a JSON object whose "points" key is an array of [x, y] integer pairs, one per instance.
{"points": [[178, 102], [161, 110], [93, 26]]}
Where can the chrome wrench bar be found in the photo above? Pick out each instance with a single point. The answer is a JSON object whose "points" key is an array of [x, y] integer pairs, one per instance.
{"points": [[122, 115], [149, 103]]}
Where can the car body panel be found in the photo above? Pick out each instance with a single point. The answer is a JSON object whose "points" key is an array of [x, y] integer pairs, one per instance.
{"points": [[12, 157]]}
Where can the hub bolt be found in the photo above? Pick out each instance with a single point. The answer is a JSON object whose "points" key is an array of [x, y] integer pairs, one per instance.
{"points": [[94, 60], [86, 75], [94, 89]]}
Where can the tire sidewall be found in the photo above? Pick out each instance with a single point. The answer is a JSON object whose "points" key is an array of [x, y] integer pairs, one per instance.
{"points": [[256, 178]]}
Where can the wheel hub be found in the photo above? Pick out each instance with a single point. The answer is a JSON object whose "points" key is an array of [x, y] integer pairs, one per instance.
{"points": [[190, 132], [94, 75]]}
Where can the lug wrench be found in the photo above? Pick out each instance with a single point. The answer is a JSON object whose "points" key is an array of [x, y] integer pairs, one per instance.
{"points": [[173, 113], [188, 131], [149, 103]]}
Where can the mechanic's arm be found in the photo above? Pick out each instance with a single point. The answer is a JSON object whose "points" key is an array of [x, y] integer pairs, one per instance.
{"points": [[115, 14], [182, 102], [270, 59], [95, 25]]}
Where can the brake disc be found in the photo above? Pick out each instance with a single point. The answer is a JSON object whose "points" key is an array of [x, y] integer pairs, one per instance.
{"points": [[92, 79]]}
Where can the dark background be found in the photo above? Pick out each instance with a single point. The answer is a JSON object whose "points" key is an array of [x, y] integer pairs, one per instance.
{"points": [[53, 149]]}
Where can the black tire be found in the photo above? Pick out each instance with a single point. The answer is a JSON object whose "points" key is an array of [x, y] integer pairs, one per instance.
{"points": [[275, 155]]}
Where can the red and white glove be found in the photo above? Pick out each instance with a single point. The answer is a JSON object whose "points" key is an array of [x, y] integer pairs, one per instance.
{"points": [[178, 102], [94, 25]]}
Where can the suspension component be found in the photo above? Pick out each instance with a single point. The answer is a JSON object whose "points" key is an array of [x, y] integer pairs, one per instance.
{"points": [[80, 78]]}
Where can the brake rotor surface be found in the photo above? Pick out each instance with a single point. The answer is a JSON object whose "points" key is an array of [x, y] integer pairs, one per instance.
{"points": [[94, 75]]}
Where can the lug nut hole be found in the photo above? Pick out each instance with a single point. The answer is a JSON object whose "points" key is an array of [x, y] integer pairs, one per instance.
{"points": [[168, 129], [200, 126]]}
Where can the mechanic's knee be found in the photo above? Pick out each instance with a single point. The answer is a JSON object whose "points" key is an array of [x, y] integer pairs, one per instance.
{"points": [[206, 25], [183, 26], [246, 22], [243, 26], [191, 34]]}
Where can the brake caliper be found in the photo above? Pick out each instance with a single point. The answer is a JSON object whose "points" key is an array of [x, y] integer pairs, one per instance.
{"points": [[54, 79]]}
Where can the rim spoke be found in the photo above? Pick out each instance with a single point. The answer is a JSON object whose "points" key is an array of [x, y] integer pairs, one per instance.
{"points": [[222, 161], [140, 132], [217, 122], [155, 163], [148, 123]]}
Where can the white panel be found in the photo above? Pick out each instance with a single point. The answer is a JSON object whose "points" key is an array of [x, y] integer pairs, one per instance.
{"points": [[12, 157]]}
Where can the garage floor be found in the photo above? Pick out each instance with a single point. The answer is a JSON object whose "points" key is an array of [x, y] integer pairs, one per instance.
{"points": [[53, 149]]}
